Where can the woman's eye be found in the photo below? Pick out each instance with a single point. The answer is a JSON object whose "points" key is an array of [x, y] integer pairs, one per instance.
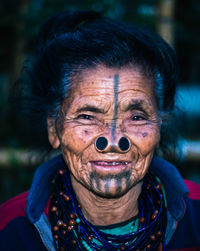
{"points": [[85, 116], [137, 118]]}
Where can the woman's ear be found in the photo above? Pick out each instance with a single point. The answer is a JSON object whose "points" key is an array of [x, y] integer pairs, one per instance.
{"points": [[52, 133]]}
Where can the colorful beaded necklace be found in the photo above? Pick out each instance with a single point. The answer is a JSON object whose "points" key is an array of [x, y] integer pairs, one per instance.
{"points": [[71, 231]]}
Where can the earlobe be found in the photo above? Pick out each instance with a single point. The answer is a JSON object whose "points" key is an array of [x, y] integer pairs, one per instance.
{"points": [[52, 133]]}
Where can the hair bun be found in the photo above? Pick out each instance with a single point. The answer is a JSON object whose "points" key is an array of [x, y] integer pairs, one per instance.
{"points": [[62, 23]]}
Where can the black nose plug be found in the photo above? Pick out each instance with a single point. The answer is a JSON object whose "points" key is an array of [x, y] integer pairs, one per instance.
{"points": [[102, 142], [124, 144]]}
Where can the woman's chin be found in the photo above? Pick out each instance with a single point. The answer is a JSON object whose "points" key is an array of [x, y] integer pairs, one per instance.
{"points": [[113, 186], [114, 193]]}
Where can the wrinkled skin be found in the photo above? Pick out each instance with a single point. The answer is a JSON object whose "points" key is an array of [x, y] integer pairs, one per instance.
{"points": [[113, 103]]}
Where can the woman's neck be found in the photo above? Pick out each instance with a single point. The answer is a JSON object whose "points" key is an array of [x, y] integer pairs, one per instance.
{"points": [[107, 211]]}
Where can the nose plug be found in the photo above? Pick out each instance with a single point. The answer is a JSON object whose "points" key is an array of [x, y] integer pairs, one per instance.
{"points": [[102, 143]]}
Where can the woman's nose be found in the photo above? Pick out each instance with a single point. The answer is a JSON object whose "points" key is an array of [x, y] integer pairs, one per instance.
{"points": [[104, 144]]}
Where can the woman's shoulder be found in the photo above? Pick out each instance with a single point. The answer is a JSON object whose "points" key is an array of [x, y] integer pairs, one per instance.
{"points": [[187, 231], [16, 231], [192, 205], [12, 209], [194, 189]]}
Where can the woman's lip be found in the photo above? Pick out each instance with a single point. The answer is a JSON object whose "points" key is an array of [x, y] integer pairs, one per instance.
{"points": [[109, 163], [104, 167]]}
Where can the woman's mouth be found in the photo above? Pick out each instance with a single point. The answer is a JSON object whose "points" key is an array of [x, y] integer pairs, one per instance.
{"points": [[110, 163], [104, 166]]}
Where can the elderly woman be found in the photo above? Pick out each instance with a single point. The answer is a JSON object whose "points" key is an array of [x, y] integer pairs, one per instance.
{"points": [[105, 89]]}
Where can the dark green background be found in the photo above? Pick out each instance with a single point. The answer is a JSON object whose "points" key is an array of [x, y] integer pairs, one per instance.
{"points": [[19, 24]]}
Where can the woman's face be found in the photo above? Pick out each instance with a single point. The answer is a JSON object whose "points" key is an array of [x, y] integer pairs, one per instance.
{"points": [[111, 103]]}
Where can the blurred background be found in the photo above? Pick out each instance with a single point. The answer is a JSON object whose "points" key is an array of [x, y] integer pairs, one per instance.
{"points": [[23, 146]]}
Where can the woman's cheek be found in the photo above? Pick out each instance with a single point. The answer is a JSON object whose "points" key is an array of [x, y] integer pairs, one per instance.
{"points": [[145, 139], [77, 139]]}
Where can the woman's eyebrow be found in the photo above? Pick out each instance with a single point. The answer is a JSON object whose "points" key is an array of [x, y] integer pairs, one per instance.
{"points": [[89, 108], [136, 105]]}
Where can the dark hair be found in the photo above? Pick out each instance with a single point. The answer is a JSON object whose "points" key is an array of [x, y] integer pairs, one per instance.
{"points": [[71, 41]]}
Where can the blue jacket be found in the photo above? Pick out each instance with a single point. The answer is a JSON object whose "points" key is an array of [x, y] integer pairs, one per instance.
{"points": [[24, 223]]}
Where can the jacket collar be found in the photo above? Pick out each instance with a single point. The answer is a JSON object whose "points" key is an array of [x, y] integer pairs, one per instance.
{"points": [[174, 185], [41, 188]]}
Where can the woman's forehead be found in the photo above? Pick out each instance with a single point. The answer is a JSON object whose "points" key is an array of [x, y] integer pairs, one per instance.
{"points": [[103, 86], [104, 80]]}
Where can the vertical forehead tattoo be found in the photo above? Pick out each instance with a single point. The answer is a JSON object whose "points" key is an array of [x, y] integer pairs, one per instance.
{"points": [[115, 89]]}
